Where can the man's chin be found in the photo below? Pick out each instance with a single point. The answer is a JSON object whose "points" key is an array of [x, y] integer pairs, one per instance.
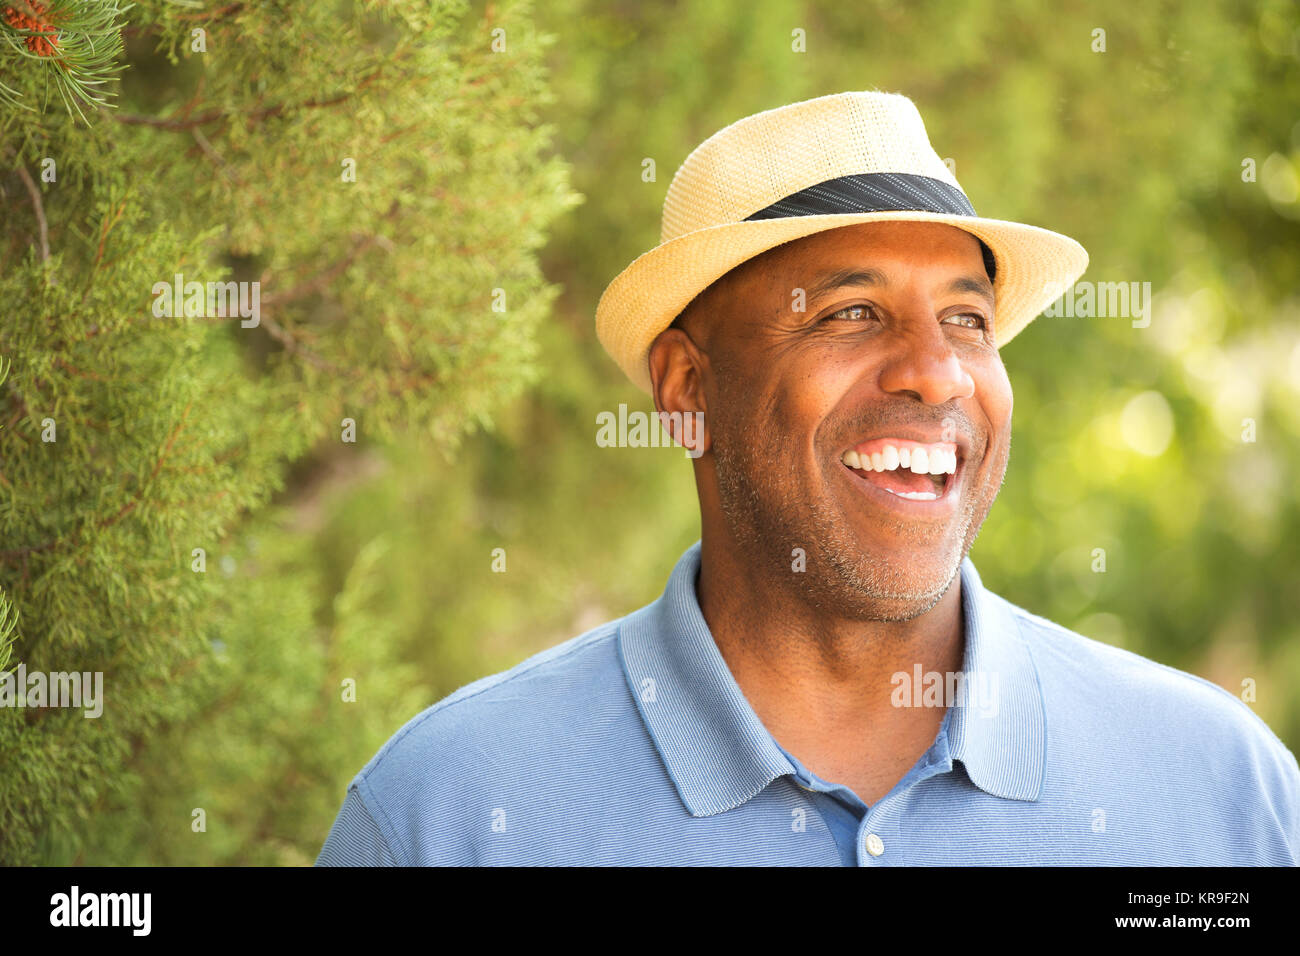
{"points": [[897, 584]]}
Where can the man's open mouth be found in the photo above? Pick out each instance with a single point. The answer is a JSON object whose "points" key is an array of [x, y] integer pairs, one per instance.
{"points": [[918, 471]]}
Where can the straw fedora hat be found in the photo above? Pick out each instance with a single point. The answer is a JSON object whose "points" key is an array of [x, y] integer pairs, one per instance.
{"points": [[800, 169]]}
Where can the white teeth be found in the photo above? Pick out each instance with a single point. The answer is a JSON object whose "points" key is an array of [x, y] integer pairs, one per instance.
{"points": [[920, 461], [914, 495]]}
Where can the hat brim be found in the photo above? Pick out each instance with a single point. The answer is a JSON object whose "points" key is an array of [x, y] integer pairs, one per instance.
{"points": [[1034, 268]]}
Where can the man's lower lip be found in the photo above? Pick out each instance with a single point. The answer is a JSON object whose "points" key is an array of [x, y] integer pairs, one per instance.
{"points": [[942, 506]]}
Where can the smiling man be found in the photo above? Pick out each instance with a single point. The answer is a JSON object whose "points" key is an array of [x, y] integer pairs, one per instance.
{"points": [[825, 679], [874, 443]]}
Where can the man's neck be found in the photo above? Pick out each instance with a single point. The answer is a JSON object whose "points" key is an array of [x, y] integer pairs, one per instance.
{"points": [[823, 685]]}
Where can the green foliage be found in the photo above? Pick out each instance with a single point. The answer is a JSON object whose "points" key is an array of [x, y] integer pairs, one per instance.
{"points": [[8, 630], [133, 438], [70, 46], [268, 735]]}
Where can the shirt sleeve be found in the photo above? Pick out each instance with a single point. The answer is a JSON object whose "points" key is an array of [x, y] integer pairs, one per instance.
{"points": [[355, 839]]}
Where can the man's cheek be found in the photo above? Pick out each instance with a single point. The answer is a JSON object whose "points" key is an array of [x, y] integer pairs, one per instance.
{"points": [[999, 398]]}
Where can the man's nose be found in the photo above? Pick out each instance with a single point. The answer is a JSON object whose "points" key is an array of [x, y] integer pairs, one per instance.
{"points": [[922, 364]]}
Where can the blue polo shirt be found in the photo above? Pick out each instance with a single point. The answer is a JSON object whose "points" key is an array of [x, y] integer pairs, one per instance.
{"points": [[633, 745]]}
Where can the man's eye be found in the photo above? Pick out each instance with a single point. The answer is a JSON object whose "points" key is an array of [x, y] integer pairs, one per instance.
{"points": [[852, 313], [977, 321]]}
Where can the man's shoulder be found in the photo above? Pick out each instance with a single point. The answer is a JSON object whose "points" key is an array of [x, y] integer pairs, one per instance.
{"points": [[516, 709], [1119, 693], [511, 743]]}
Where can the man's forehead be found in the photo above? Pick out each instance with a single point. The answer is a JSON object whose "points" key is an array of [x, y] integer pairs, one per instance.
{"points": [[839, 258], [862, 255], [829, 280]]}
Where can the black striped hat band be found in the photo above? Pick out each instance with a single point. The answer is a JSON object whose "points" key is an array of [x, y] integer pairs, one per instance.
{"points": [[877, 192]]}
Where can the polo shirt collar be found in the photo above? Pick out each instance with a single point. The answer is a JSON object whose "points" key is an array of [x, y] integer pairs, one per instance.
{"points": [[719, 754], [1002, 747], [717, 751]]}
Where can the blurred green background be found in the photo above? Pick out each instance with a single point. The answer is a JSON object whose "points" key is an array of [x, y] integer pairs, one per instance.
{"points": [[1126, 439]]}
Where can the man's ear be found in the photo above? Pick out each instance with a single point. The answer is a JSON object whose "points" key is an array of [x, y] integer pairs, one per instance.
{"points": [[677, 374]]}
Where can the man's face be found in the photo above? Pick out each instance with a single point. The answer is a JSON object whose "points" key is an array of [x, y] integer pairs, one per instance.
{"points": [[894, 352]]}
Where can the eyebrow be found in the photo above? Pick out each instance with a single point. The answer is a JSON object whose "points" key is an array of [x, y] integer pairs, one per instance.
{"points": [[874, 277]]}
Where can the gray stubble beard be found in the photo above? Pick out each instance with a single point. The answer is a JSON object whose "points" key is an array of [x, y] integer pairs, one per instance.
{"points": [[857, 586]]}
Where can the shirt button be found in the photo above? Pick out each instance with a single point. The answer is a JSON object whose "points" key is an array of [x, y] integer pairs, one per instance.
{"points": [[875, 846]]}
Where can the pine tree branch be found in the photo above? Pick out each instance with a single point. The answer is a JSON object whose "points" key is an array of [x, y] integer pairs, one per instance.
{"points": [[315, 284], [325, 277], [77, 46], [264, 112], [294, 347], [222, 166], [39, 207], [105, 228], [205, 16], [217, 14], [21, 412], [67, 366], [211, 116], [122, 512], [27, 549]]}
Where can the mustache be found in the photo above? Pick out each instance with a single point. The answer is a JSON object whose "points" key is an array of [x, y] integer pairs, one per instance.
{"points": [[952, 421]]}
